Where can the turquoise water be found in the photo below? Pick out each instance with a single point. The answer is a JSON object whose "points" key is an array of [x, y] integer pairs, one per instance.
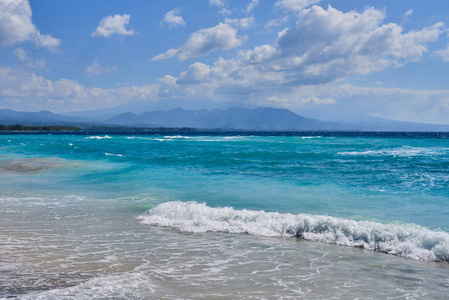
{"points": [[154, 216]]}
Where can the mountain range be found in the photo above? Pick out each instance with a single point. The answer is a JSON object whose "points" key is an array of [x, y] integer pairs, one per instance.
{"points": [[236, 118]]}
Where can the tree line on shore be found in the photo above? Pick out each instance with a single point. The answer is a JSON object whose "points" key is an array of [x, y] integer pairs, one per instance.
{"points": [[19, 127]]}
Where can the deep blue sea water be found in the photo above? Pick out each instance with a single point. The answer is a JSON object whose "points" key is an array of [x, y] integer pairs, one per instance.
{"points": [[224, 215]]}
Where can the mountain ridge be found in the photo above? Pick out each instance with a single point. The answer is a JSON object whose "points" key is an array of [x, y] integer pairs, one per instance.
{"points": [[261, 118], [234, 118]]}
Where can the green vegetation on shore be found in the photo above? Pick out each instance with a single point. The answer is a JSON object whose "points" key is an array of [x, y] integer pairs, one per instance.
{"points": [[18, 127]]}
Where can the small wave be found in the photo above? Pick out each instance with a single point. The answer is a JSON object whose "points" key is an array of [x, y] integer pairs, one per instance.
{"points": [[172, 137], [97, 137], [112, 154], [201, 138], [406, 240], [403, 151], [177, 137]]}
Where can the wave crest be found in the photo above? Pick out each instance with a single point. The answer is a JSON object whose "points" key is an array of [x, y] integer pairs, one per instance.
{"points": [[406, 240]]}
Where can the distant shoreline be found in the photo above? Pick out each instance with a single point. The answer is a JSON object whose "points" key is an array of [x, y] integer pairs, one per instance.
{"points": [[61, 130], [37, 128]]}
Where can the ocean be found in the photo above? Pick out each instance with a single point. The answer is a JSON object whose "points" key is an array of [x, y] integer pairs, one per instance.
{"points": [[224, 215]]}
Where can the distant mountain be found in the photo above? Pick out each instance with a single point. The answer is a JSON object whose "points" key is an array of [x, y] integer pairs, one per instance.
{"points": [[262, 118], [9, 117], [138, 107], [368, 123]]}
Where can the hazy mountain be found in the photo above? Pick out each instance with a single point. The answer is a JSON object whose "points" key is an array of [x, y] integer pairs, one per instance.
{"points": [[9, 117], [368, 123], [262, 118], [138, 107]]}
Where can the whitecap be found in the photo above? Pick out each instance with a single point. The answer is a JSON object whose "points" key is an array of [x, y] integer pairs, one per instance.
{"points": [[406, 240], [112, 154], [97, 137], [402, 152]]}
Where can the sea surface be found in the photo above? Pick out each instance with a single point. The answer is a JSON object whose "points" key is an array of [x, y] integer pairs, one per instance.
{"points": [[227, 215]]}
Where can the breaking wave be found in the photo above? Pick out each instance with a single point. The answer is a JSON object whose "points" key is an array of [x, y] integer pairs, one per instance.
{"points": [[405, 240], [98, 137], [402, 152]]}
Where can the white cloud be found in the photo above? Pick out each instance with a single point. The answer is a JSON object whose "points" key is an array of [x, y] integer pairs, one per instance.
{"points": [[219, 3], [222, 5], [205, 41], [252, 5], [21, 54], [96, 69], [225, 12], [296, 5], [47, 41], [324, 47], [31, 63], [172, 20], [113, 25], [406, 16], [196, 73], [19, 89], [276, 22], [36, 93], [444, 53], [145, 92], [16, 26], [243, 23], [431, 106], [15, 22], [168, 54]]}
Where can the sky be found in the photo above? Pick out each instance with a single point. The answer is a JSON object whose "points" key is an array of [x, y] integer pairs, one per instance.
{"points": [[322, 59]]}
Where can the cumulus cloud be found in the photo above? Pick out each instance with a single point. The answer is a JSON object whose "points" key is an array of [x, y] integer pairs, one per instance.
{"points": [[171, 18], [276, 22], [222, 5], [296, 5], [96, 69], [31, 63], [444, 53], [243, 23], [327, 45], [409, 12], [431, 106], [16, 26], [36, 92], [113, 25], [47, 41], [21, 53], [205, 41], [219, 3], [252, 5], [324, 47], [196, 73]]}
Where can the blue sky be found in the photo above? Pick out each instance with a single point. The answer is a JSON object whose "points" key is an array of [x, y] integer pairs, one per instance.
{"points": [[324, 59]]}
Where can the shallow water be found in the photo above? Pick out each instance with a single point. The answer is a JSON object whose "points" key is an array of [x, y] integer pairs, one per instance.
{"points": [[226, 217]]}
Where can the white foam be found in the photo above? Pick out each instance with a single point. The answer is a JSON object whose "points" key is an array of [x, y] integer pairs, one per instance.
{"points": [[402, 152], [111, 154], [406, 240], [98, 137], [126, 286], [177, 137], [201, 138]]}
